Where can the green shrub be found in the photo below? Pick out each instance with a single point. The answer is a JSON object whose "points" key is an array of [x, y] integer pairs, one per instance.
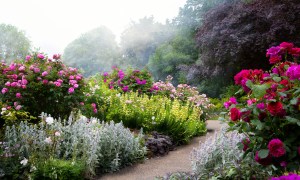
{"points": [[100, 147], [59, 169]]}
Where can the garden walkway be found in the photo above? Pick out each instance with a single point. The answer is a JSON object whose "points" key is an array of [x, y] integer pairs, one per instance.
{"points": [[177, 160]]}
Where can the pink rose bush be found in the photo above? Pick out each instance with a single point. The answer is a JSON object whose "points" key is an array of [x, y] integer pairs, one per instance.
{"points": [[40, 84], [269, 112]]}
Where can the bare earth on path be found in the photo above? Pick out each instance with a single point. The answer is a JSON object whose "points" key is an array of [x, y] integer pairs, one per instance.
{"points": [[177, 160]]}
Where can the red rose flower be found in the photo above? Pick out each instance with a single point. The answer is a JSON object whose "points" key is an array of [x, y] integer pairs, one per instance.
{"points": [[265, 161], [286, 46], [276, 148], [276, 108], [235, 114], [295, 52], [275, 59]]}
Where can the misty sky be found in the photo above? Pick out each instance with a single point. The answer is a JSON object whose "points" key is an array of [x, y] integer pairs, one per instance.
{"points": [[53, 24]]}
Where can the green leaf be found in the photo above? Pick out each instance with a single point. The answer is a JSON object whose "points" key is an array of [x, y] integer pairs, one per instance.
{"points": [[292, 120], [294, 101], [249, 83], [260, 90], [263, 153], [277, 79], [259, 125]]}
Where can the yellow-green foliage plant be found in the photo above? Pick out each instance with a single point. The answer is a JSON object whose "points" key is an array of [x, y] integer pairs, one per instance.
{"points": [[157, 113]]}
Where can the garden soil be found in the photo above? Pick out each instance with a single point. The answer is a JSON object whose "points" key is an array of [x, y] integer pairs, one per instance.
{"points": [[177, 160]]}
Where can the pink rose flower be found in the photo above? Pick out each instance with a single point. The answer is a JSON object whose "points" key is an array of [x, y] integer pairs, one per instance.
{"points": [[71, 77], [95, 110], [18, 95], [71, 90], [45, 81], [75, 86], [94, 105], [57, 84], [36, 70], [40, 56], [13, 84], [45, 73], [7, 83], [18, 107], [81, 103], [22, 68], [4, 90], [28, 58]]}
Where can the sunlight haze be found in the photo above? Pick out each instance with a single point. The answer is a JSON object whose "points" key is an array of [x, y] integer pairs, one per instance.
{"points": [[52, 25]]}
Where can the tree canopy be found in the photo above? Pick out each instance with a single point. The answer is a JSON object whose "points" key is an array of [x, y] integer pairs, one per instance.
{"points": [[93, 52], [14, 44]]}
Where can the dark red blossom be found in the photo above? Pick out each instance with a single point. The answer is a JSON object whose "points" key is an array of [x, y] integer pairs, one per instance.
{"points": [[235, 114], [276, 148], [276, 108], [275, 59], [263, 161], [286, 46]]}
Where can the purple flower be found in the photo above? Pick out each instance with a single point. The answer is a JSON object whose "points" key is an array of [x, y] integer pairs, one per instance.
{"points": [[275, 71], [273, 51], [291, 176], [293, 72], [121, 74], [40, 56], [105, 74], [226, 104], [261, 106], [125, 88], [138, 81], [233, 100]]}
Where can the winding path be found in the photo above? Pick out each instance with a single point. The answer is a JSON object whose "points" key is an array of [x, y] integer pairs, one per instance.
{"points": [[177, 160]]}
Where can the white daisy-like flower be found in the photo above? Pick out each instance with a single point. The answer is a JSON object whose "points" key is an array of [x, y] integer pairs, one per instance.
{"points": [[24, 162], [49, 120]]}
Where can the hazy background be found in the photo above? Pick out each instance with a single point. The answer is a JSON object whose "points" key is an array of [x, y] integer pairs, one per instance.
{"points": [[51, 25]]}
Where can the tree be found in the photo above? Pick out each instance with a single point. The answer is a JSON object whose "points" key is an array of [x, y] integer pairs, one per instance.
{"points": [[93, 52], [234, 36], [14, 44], [139, 41], [171, 57]]}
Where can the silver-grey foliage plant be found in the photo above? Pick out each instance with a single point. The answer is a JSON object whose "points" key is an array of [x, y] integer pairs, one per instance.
{"points": [[220, 157], [102, 146]]}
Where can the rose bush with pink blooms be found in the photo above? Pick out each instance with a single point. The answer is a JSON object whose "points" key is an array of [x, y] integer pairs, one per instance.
{"points": [[270, 112], [40, 84]]}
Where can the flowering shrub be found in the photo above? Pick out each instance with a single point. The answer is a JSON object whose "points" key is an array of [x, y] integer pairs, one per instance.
{"points": [[270, 115], [290, 176], [99, 146], [40, 84], [132, 80]]}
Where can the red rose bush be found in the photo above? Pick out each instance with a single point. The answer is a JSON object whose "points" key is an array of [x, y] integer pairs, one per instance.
{"points": [[269, 112]]}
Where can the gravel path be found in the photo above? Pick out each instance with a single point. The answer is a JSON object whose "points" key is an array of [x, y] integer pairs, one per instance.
{"points": [[177, 160]]}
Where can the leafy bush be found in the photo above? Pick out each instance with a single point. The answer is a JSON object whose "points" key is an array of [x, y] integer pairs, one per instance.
{"points": [[220, 157], [234, 36], [59, 169], [180, 122], [270, 111], [40, 84], [100, 147], [132, 80]]}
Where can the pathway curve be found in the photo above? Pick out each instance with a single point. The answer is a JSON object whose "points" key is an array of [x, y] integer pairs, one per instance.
{"points": [[177, 160]]}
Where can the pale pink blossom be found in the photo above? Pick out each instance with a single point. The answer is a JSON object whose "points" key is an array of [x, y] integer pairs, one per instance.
{"points": [[45, 73], [40, 56], [7, 83], [4, 90], [22, 68], [18, 107]]}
